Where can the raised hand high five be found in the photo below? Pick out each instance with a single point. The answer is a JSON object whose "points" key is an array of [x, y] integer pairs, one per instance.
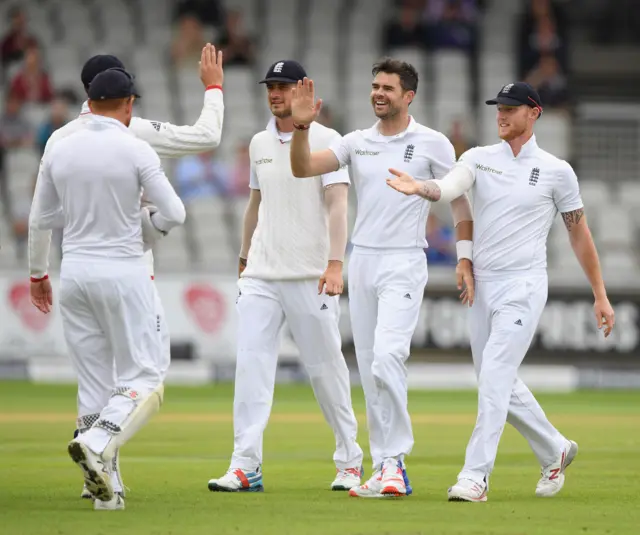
{"points": [[304, 107]]}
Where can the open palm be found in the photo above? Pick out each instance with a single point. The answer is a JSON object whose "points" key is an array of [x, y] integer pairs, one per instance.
{"points": [[304, 107]]}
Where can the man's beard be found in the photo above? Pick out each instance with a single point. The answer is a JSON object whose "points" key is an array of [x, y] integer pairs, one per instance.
{"points": [[514, 133], [390, 113], [282, 114]]}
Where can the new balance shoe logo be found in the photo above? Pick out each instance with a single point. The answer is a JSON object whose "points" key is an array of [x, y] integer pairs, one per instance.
{"points": [[518, 322], [324, 307], [408, 153], [407, 296], [534, 176]]}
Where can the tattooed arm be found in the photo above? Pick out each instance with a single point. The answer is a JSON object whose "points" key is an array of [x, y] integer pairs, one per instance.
{"points": [[586, 253], [454, 184]]}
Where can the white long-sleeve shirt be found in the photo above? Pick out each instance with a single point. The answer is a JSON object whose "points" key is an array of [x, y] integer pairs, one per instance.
{"points": [[168, 140], [92, 182]]}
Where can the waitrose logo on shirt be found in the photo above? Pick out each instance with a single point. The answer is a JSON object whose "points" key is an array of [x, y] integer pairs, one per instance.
{"points": [[487, 169], [361, 152]]}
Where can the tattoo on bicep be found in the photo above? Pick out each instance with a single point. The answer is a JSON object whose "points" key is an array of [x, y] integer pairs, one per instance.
{"points": [[571, 219]]}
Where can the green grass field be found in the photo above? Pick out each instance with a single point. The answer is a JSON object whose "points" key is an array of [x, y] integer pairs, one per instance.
{"points": [[167, 466]]}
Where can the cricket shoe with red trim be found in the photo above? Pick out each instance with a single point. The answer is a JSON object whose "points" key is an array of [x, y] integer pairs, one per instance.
{"points": [[347, 479], [394, 479], [371, 488], [238, 480], [552, 479], [466, 490]]}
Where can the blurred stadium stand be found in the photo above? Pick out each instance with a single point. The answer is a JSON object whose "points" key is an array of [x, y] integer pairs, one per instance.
{"points": [[597, 128]]}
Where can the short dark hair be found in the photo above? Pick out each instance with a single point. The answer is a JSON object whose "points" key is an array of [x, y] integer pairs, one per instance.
{"points": [[407, 72]]}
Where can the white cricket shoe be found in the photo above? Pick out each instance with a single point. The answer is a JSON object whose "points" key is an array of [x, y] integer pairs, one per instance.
{"points": [[86, 495], [552, 479], [347, 479], [94, 469], [394, 479], [115, 504], [466, 490], [116, 480], [237, 480], [371, 488]]}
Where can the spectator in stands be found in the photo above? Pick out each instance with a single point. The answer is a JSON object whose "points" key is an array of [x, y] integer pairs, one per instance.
{"points": [[208, 12], [451, 24], [200, 176], [458, 138], [15, 132], [17, 40], [237, 46], [441, 240], [239, 185], [543, 30], [188, 42], [58, 117], [549, 81], [31, 83], [405, 28]]}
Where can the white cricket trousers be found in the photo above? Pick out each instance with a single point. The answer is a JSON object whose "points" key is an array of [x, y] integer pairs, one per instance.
{"points": [[313, 320], [386, 288], [502, 323], [112, 320]]}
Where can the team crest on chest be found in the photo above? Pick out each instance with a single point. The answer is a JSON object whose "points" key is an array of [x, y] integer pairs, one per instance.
{"points": [[534, 176], [408, 153]]}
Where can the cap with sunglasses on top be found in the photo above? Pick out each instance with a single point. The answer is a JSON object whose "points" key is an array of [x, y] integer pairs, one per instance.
{"points": [[517, 94], [112, 84], [286, 71]]}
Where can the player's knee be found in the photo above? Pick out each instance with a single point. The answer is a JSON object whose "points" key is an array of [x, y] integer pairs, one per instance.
{"points": [[390, 352]]}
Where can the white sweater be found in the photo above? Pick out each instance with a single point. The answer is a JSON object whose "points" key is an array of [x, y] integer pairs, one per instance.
{"points": [[291, 240]]}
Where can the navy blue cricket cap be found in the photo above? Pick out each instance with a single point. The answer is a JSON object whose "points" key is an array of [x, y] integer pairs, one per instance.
{"points": [[517, 94], [286, 71], [112, 84], [98, 64]]}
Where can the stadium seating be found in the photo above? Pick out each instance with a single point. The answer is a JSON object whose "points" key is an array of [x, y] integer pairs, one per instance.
{"points": [[338, 40]]}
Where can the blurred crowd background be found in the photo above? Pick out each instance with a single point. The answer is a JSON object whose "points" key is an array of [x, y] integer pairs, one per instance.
{"points": [[583, 56]]}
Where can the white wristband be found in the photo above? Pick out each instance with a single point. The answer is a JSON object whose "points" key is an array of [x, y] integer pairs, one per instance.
{"points": [[464, 249]]}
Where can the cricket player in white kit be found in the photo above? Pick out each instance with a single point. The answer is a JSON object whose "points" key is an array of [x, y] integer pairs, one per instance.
{"points": [[518, 189], [294, 233], [387, 269], [92, 181], [169, 141]]}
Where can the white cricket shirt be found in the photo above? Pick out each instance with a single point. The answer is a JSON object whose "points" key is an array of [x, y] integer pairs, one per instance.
{"points": [[168, 140], [291, 240], [515, 200], [388, 219], [91, 183]]}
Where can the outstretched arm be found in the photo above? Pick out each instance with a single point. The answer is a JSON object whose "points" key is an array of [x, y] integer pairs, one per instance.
{"points": [[171, 141], [585, 250], [454, 184]]}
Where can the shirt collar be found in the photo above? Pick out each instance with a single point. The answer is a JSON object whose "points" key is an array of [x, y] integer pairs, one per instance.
{"points": [[108, 120], [85, 108], [527, 149], [373, 133], [283, 137]]}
